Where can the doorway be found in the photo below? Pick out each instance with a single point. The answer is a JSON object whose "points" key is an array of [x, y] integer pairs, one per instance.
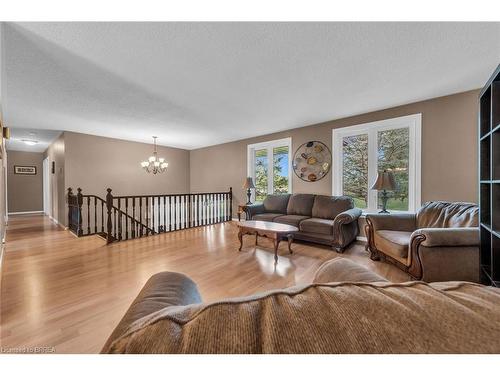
{"points": [[47, 206]]}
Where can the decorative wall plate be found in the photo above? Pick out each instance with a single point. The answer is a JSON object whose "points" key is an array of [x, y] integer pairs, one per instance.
{"points": [[312, 161]]}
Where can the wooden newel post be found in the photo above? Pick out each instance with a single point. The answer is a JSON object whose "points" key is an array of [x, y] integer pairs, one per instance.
{"points": [[230, 203], [109, 206], [70, 208], [79, 200]]}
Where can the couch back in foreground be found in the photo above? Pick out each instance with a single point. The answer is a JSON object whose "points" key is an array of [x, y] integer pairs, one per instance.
{"points": [[318, 206], [343, 317]]}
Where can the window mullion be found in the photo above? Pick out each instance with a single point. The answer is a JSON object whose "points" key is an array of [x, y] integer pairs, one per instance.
{"points": [[270, 170], [372, 168]]}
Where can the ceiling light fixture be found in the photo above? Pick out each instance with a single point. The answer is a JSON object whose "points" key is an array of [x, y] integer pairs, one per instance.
{"points": [[154, 164], [29, 142]]}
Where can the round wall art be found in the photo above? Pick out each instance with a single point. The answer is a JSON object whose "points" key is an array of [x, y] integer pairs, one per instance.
{"points": [[312, 161]]}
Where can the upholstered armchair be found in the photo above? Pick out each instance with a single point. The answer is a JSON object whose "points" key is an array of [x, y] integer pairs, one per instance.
{"points": [[438, 243]]}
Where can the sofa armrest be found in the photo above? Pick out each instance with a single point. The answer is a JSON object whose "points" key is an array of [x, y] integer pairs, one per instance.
{"points": [[401, 222], [347, 217], [254, 209], [448, 236], [345, 228], [162, 290], [344, 270]]}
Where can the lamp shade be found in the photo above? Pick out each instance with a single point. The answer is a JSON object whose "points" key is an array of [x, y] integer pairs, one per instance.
{"points": [[248, 184], [385, 181]]}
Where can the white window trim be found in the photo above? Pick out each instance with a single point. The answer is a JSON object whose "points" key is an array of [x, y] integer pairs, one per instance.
{"points": [[269, 145], [414, 123]]}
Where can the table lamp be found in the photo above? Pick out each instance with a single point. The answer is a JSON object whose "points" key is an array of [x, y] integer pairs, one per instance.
{"points": [[385, 182], [248, 184]]}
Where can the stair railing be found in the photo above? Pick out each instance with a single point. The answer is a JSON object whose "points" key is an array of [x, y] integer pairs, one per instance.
{"points": [[119, 218]]}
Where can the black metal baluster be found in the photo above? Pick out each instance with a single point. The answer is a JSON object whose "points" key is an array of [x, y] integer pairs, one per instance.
{"points": [[202, 206], [140, 217], [170, 214], [186, 213], [198, 210], [230, 203], [95, 214], [114, 224], [159, 215], [225, 207], [88, 214], [147, 216], [218, 208], [119, 219], [126, 218], [102, 216], [212, 206], [153, 214], [134, 226], [190, 206]]}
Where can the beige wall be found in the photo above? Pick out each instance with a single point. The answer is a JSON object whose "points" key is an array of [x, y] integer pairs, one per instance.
{"points": [[96, 163], [56, 153], [24, 192], [449, 151]]}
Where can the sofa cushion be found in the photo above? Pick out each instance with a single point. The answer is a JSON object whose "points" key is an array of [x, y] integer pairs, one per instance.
{"points": [[315, 225], [328, 207], [266, 217], [300, 204], [276, 203], [290, 219], [442, 214], [349, 317], [394, 242]]}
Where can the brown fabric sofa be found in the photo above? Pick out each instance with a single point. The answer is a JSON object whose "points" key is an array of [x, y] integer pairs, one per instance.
{"points": [[438, 243], [322, 219], [347, 309]]}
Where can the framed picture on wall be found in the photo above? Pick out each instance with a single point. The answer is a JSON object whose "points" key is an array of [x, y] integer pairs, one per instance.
{"points": [[23, 169]]}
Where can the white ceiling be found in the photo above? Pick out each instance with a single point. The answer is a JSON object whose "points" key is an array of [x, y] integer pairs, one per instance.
{"points": [[199, 84], [43, 138]]}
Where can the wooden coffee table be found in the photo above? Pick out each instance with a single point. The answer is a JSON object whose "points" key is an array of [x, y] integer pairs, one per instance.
{"points": [[274, 231]]}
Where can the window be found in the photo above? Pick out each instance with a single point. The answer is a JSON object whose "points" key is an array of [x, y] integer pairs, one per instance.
{"points": [[361, 151], [269, 166]]}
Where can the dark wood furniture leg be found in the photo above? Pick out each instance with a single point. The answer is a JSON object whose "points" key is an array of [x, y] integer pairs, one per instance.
{"points": [[240, 237], [276, 244], [290, 240]]}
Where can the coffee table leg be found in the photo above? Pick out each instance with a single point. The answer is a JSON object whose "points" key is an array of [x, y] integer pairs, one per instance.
{"points": [[240, 237], [290, 240], [276, 244], [256, 237]]}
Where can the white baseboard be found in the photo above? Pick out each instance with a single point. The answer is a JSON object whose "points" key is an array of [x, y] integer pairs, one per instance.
{"points": [[25, 212], [57, 222]]}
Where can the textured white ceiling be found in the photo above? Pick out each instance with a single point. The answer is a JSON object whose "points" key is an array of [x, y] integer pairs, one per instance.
{"points": [[199, 84], [43, 138]]}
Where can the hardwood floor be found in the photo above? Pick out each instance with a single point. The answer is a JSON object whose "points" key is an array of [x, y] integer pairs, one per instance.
{"points": [[67, 292]]}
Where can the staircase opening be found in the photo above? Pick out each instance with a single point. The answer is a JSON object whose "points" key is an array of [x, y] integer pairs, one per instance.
{"points": [[119, 218]]}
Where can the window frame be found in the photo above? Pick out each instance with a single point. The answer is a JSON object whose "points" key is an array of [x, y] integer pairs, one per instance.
{"points": [[269, 146], [414, 124]]}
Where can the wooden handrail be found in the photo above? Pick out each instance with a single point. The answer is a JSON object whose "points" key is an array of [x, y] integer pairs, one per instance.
{"points": [[121, 217]]}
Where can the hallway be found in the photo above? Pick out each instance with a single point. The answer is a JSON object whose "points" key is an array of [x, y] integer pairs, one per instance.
{"points": [[69, 293]]}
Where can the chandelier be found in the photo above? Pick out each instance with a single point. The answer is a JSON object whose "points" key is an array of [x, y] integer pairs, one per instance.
{"points": [[154, 164]]}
